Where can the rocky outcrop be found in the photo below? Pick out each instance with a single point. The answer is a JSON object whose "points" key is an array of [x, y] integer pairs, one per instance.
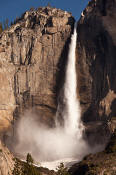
{"points": [[6, 161], [33, 52], [32, 56], [96, 53], [99, 163]]}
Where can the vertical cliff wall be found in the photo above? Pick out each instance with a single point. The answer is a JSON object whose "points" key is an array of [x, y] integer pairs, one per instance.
{"points": [[96, 60], [6, 160], [32, 56], [33, 53]]}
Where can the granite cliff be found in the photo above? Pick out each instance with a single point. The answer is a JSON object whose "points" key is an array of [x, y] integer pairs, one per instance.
{"points": [[33, 54], [96, 52]]}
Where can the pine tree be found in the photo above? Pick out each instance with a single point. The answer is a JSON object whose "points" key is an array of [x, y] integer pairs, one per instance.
{"points": [[32, 9], [62, 170], [1, 27], [29, 159], [6, 24], [25, 168], [48, 4], [28, 167]]}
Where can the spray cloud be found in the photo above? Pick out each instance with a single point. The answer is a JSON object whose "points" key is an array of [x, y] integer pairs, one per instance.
{"points": [[60, 142]]}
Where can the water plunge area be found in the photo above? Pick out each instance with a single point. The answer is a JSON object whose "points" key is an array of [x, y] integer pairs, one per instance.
{"points": [[64, 142]]}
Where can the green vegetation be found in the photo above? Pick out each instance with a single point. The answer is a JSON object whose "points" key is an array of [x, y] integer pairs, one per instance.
{"points": [[32, 8], [4, 25], [25, 168], [29, 168], [1, 27], [49, 5], [62, 170], [29, 159]]}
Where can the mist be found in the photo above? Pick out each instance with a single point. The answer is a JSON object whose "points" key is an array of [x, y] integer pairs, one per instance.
{"points": [[47, 144], [64, 141]]}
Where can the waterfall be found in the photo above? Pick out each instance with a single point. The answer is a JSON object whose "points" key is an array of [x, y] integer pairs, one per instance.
{"points": [[71, 112], [64, 142]]}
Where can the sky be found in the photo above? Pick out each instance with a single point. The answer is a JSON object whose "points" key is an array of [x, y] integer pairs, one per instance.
{"points": [[10, 9]]}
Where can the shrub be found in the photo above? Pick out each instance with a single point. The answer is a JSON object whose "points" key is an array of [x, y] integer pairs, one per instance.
{"points": [[25, 168], [1, 27], [62, 170]]}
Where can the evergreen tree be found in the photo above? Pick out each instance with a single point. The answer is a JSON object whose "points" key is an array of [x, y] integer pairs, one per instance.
{"points": [[25, 168], [28, 167], [62, 170], [1, 27], [6, 24], [48, 4], [32, 9], [29, 159]]}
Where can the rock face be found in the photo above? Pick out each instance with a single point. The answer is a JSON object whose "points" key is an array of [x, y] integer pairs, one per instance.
{"points": [[6, 161], [33, 52], [32, 55], [96, 53], [99, 163]]}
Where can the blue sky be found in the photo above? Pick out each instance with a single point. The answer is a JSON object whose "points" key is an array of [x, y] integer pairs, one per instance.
{"points": [[14, 8]]}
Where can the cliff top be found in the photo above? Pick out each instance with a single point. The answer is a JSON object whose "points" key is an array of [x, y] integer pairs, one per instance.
{"points": [[100, 8], [44, 17]]}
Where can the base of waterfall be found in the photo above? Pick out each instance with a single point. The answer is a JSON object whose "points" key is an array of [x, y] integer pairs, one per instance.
{"points": [[64, 142], [52, 165]]}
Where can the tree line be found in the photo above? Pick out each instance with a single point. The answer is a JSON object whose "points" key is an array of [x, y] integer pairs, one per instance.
{"points": [[4, 25], [28, 168]]}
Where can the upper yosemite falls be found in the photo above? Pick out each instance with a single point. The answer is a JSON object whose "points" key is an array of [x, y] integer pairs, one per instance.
{"points": [[59, 143], [58, 90]]}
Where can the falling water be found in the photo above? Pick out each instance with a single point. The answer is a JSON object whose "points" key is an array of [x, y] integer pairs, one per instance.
{"points": [[72, 107], [70, 111], [62, 143]]}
